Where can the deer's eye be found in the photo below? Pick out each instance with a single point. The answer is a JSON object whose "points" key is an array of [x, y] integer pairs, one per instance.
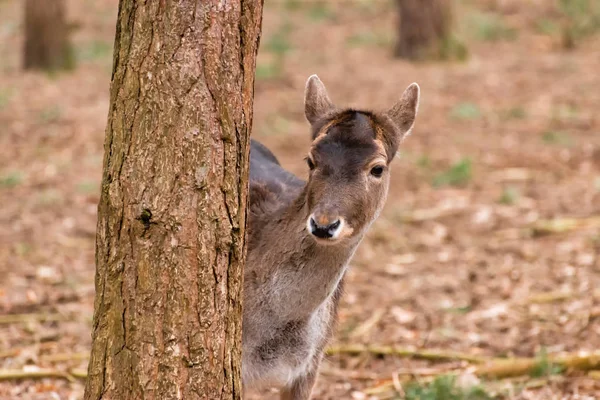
{"points": [[310, 163], [377, 171]]}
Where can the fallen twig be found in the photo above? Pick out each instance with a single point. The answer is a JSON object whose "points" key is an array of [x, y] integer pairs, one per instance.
{"points": [[421, 372], [512, 174], [505, 368], [16, 374], [513, 233], [549, 297], [548, 227], [552, 297], [561, 225], [407, 353], [60, 357], [78, 373]]}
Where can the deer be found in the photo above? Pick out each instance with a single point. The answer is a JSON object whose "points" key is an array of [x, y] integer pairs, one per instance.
{"points": [[302, 235]]}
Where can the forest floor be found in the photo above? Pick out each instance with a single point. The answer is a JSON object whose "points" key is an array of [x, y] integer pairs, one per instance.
{"points": [[489, 245]]}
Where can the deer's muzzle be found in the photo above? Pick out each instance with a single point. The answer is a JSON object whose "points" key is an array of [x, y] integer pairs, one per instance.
{"points": [[324, 228]]}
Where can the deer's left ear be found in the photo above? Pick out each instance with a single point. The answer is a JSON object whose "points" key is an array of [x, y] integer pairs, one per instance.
{"points": [[316, 99], [404, 112]]}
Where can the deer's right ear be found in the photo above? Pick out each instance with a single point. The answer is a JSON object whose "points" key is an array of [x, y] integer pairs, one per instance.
{"points": [[404, 112], [316, 100]]}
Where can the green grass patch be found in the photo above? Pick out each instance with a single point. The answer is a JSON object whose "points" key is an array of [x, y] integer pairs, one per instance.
{"points": [[444, 387], [280, 43], [491, 27], [459, 174], [510, 195], [546, 26], [5, 96], [466, 111], [319, 11], [292, 5], [277, 125], [94, 51], [50, 114], [583, 19], [22, 249], [545, 367], [11, 179], [565, 112], [368, 39], [453, 48], [557, 138], [268, 71], [374, 7], [461, 310], [49, 197], [514, 113], [88, 187], [424, 162]]}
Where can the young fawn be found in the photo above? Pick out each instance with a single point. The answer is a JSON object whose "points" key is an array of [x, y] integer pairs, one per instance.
{"points": [[303, 234]]}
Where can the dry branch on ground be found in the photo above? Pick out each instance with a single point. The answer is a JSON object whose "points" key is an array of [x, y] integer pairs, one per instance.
{"points": [[432, 355], [17, 374]]}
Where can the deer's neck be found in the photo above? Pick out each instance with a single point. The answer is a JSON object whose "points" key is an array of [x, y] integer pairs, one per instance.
{"points": [[307, 273]]}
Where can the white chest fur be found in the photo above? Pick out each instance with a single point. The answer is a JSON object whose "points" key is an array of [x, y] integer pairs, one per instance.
{"points": [[287, 350]]}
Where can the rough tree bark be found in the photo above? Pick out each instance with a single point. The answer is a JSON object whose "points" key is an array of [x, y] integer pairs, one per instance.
{"points": [[46, 36], [424, 25], [170, 237]]}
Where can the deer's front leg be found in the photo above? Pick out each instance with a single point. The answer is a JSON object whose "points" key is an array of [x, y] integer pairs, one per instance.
{"points": [[301, 388]]}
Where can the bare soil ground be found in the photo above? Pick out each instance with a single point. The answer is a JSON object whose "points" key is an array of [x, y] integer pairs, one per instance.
{"points": [[475, 251]]}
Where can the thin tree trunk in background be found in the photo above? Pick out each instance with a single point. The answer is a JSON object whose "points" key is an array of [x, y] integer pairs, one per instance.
{"points": [[424, 25], [171, 220], [46, 36]]}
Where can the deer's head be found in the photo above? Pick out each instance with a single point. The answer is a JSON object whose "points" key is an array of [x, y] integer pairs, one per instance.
{"points": [[349, 161]]}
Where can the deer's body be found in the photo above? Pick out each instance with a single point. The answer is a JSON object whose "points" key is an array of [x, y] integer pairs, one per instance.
{"points": [[303, 234], [288, 317]]}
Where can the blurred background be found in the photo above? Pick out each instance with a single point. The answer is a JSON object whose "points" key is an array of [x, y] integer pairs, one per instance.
{"points": [[488, 246]]}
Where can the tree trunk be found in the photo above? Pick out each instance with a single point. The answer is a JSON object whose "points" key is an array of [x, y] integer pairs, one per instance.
{"points": [[424, 26], [46, 36], [170, 241]]}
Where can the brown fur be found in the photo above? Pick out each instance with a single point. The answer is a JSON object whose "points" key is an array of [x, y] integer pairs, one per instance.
{"points": [[293, 280]]}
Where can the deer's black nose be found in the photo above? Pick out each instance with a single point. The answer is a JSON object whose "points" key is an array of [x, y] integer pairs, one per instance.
{"points": [[326, 231]]}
